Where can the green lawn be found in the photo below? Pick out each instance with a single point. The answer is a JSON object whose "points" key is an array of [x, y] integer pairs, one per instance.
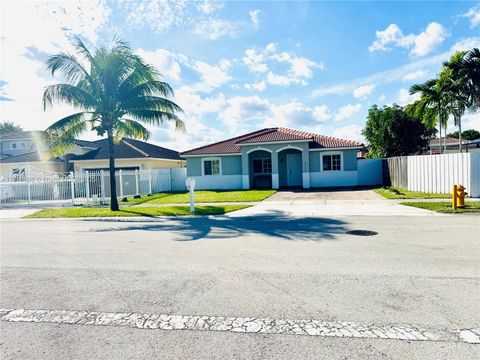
{"points": [[446, 207], [406, 194], [205, 196], [129, 211]]}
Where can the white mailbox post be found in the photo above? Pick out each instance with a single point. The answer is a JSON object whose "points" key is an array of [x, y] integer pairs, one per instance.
{"points": [[190, 182]]}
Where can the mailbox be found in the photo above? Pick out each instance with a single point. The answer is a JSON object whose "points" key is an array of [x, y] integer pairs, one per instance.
{"points": [[190, 183]]}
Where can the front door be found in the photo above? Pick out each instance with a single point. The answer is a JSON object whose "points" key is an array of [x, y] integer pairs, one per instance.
{"points": [[294, 169]]}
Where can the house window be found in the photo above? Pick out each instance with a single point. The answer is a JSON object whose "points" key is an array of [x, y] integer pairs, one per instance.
{"points": [[211, 167], [332, 162], [262, 166], [23, 145], [14, 145]]}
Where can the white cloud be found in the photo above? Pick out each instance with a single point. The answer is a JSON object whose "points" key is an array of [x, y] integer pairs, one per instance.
{"points": [[260, 86], [350, 132], [161, 16], [299, 71], [164, 60], [419, 45], [404, 97], [213, 76], [157, 15], [363, 91], [466, 44], [50, 27], [382, 98], [414, 75], [293, 114], [473, 14], [425, 42], [215, 28], [241, 112], [254, 16], [322, 112], [347, 111], [396, 74]]}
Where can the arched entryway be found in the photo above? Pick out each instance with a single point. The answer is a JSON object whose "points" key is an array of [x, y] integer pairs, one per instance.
{"points": [[260, 169], [290, 168]]}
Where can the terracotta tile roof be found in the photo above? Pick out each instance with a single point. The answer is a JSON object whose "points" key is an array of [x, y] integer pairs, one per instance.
{"points": [[232, 146], [450, 141]]}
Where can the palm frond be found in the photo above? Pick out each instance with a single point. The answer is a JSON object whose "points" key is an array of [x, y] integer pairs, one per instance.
{"points": [[151, 103], [69, 94], [61, 135], [152, 87], [155, 117], [131, 128], [69, 66]]}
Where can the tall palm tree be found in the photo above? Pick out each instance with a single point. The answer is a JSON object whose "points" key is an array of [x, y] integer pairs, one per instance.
{"points": [[431, 107], [467, 67], [115, 93], [457, 93]]}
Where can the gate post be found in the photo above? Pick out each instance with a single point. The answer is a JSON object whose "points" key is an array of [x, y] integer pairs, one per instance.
{"points": [[29, 191], [136, 182], [72, 187], [121, 182], [87, 186], [150, 181], [102, 186]]}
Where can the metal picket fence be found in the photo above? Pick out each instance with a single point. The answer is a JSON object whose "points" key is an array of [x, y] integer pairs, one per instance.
{"points": [[88, 187]]}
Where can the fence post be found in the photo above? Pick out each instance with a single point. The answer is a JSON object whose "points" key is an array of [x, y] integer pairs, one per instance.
{"points": [[150, 181], [102, 186], [121, 182], [87, 186], [72, 187], [29, 191], [136, 182]]}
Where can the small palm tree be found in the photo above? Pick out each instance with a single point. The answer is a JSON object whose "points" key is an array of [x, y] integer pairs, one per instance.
{"points": [[116, 94], [431, 107]]}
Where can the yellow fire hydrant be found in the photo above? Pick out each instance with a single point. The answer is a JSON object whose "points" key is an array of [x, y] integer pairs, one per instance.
{"points": [[458, 196]]}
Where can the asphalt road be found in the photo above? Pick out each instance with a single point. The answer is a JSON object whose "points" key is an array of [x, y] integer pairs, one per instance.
{"points": [[417, 270]]}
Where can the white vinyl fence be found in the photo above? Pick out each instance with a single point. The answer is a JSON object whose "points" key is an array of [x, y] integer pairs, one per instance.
{"points": [[436, 173], [89, 187]]}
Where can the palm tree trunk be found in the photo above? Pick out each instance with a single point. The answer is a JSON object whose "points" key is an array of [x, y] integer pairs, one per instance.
{"points": [[439, 138], [460, 133], [113, 182]]}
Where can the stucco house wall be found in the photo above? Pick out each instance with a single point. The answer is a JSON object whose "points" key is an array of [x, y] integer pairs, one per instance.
{"points": [[35, 169], [142, 164], [236, 170]]}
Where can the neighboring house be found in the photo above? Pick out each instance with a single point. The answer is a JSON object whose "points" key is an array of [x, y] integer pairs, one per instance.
{"points": [[31, 164], [452, 146], [20, 143], [130, 154], [472, 145], [274, 158], [25, 154]]}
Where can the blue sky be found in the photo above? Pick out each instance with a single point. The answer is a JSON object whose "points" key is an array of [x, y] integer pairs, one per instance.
{"points": [[241, 66]]}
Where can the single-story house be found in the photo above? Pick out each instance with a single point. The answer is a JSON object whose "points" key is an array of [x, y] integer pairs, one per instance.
{"points": [[130, 154], [274, 158], [25, 154]]}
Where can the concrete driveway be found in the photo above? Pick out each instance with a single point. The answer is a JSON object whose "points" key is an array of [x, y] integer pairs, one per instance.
{"points": [[269, 287], [332, 203]]}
